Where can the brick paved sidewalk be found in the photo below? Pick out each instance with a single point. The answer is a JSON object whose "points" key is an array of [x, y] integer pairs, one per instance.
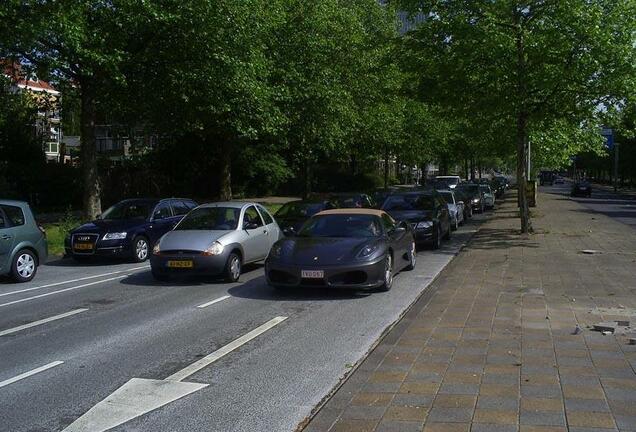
{"points": [[489, 347]]}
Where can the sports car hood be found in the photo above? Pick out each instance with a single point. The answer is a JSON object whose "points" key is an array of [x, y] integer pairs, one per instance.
{"points": [[322, 250], [104, 226], [410, 215], [195, 240]]}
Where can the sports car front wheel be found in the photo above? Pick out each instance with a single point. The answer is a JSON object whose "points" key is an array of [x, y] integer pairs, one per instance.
{"points": [[388, 274]]}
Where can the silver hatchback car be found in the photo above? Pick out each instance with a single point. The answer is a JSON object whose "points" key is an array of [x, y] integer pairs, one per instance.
{"points": [[23, 243], [217, 240]]}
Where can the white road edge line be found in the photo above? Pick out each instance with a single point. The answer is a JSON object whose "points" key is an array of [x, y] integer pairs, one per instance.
{"points": [[42, 321], [29, 373], [71, 281], [220, 299], [61, 291], [223, 351]]}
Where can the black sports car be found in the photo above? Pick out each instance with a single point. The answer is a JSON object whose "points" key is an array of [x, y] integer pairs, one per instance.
{"points": [[345, 248], [425, 211], [294, 214], [582, 189]]}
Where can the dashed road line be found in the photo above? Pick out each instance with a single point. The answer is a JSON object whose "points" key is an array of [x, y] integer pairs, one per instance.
{"points": [[30, 373], [72, 281], [42, 321], [220, 299]]}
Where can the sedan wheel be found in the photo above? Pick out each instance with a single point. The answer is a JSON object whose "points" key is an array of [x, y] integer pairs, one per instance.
{"points": [[24, 266], [412, 257], [141, 249], [233, 268], [388, 274]]}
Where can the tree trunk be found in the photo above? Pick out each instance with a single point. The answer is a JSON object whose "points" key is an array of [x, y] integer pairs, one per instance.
{"points": [[472, 168], [386, 167], [522, 153], [466, 168], [225, 170], [88, 151]]}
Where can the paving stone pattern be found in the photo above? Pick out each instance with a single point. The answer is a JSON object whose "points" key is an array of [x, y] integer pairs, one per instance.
{"points": [[490, 345]]}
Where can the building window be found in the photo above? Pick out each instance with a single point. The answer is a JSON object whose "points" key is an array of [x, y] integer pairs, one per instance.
{"points": [[51, 147]]}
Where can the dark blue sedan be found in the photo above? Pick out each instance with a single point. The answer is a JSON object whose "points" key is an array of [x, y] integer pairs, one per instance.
{"points": [[128, 229]]}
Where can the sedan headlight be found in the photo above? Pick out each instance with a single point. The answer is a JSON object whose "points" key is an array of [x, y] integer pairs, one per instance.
{"points": [[115, 236], [367, 251], [424, 225], [215, 248]]}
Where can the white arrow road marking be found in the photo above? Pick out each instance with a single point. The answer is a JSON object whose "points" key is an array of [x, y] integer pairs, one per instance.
{"points": [[140, 396], [72, 281], [29, 373], [61, 291], [42, 321], [220, 299]]}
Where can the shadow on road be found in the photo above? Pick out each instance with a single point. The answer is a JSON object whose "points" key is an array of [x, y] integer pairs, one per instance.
{"points": [[499, 238], [144, 278], [92, 262]]}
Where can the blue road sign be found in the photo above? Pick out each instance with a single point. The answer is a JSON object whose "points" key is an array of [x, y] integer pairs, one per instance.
{"points": [[608, 135]]}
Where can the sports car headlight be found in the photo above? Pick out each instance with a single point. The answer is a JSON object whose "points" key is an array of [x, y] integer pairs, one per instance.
{"points": [[215, 248], [424, 225], [276, 250], [367, 251], [115, 236]]}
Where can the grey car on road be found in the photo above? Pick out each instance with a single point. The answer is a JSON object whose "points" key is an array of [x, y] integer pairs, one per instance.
{"points": [[216, 240], [23, 243]]}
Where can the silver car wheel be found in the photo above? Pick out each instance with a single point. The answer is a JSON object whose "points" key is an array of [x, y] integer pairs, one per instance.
{"points": [[235, 267], [141, 249], [388, 271], [25, 266]]}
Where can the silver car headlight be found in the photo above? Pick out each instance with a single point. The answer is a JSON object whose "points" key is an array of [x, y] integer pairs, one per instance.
{"points": [[215, 248], [115, 236], [424, 225]]}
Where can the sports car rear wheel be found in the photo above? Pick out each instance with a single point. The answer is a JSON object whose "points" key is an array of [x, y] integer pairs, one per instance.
{"points": [[388, 274], [412, 257]]}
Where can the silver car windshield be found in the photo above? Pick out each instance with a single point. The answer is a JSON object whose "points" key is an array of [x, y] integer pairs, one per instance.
{"points": [[211, 218], [341, 225]]}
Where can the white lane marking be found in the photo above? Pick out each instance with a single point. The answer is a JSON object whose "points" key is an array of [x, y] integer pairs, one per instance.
{"points": [[72, 281], [61, 291], [223, 351], [135, 398], [29, 373], [42, 321], [220, 299]]}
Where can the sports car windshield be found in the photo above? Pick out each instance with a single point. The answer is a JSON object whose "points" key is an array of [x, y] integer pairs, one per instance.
{"points": [[409, 202], [210, 218], [128, 210], [341, 225], [299, 209]]}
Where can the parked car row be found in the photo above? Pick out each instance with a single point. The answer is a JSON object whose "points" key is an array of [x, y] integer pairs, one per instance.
{"points": [[181, 237]]}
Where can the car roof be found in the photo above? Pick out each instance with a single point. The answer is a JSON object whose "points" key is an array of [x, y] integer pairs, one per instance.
{"points": [[231, 204], [13, 202], [352, 211], [447, 176]]}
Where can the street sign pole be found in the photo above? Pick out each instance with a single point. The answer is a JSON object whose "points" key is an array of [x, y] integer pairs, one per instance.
{"points": [[616, 167]]}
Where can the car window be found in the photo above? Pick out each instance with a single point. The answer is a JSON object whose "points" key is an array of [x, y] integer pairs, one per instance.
{"points": [[162, 211], [409, 202], [341, 225], [210, 218], [388, 222], [448, 197], [128, 210], [299, 209], [266, 217], [190, 204], [2, 223], [252, 217], [14, 215], [179, 208]]}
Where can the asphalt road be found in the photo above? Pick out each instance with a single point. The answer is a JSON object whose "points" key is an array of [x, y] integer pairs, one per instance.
{"points": [[78, 333], [619, 206]]}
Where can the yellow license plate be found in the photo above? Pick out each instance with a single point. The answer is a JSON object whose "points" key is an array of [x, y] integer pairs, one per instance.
{"points": [[181, 264], [83, 246]]}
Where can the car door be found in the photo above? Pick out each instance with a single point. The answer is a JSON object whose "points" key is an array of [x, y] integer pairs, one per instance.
{"points": [[161, 222], [7, 240], [273, 230], [256, 244]]}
